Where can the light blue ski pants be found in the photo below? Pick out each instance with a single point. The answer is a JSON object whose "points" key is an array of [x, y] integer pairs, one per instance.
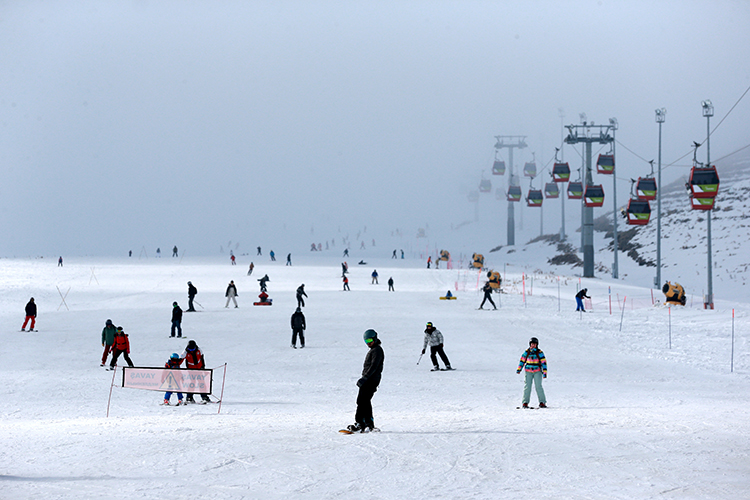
{"points": [[536, 379]]}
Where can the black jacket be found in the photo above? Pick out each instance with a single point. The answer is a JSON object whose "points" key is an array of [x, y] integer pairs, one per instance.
{"points": [[582, 294], [176, 313], [31, 309], [373, 367], [298, 321], [192, 291], [301, 291]]}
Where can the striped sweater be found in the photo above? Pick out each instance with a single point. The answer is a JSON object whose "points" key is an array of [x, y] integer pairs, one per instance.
{"points": [[534, 360]]}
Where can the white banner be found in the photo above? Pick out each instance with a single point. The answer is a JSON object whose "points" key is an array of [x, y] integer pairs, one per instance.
{"points": [[168, 379]]}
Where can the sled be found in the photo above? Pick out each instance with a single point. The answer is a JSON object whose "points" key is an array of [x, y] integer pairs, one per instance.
{"points": [[262, 303]]}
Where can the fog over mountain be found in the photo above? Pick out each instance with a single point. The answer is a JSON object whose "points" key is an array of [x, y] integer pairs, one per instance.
{"points": [[137, 125]]}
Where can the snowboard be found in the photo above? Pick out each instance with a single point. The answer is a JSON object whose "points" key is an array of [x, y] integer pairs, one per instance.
{"points": [[347, 431]]}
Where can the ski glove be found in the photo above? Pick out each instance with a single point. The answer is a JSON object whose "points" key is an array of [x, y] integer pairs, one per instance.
{"points": [[518, 371], [359, 383], [423, 350]]}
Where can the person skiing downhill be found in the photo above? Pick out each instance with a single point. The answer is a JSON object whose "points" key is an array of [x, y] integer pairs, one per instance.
{"points": [[368, 384], [173, 362], [194, 360], [176, 319], [121, 346], [346, 284], [300, 293], [30, 315], [434, 338], [298, 328], [108, 338], [579, 299], [535, 364], [487, 289], [192, 292]]}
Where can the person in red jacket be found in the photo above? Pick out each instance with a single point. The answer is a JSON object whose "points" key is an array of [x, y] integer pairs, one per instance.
{"points": [[194, 360], [121, 346]]}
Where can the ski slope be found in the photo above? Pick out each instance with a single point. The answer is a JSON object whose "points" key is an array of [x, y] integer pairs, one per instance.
{"points": [[629, 416]]}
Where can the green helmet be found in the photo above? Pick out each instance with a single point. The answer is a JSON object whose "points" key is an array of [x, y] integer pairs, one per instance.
{"points": [[370, 335]]}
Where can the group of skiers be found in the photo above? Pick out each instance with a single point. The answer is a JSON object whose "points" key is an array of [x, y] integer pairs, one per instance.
{"points": [[194, 360]]}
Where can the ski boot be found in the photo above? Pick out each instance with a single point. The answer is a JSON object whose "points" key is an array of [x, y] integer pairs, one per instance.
{"points": [[435, 368], [356, 427], [542, 405], [166, 402]]}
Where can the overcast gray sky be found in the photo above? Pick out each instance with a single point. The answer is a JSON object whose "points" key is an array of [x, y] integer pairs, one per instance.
{"points": [[152, 123]]}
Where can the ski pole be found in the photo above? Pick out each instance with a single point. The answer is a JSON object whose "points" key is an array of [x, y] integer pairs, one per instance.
{"points": [[420, 358], [198, 304]]}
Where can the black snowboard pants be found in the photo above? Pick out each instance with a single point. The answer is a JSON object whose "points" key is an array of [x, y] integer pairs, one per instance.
{"points": [[301, 333], [364, 405], [487, 296], [434, 351]]}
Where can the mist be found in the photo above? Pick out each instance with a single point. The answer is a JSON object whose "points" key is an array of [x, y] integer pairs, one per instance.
{"points": [[129, 125]]}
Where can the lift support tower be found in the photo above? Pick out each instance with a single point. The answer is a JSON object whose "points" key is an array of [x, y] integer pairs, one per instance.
{"points": [[510, 142], [587, 134]]}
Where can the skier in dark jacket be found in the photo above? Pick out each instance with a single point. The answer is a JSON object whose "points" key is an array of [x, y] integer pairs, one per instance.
{"points": [[265, 279], [300, 293], [108, 339], [487, 289], [298, 328], [368, 384], [192, 292], [579, 299], [390, 285], [30, 315], [176, 319]]}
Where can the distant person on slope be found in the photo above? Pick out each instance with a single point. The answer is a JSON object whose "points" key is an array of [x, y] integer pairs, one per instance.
{"points": [[174, 251], [192, 292], [250, 269], [288, 259], [579, 299], [487, 289], [108, 339], [298, 328], [374, 277], [30, 315], [176, 320], [368, 384], [536, 369], [390, 285], [434, 338], [346, 284], [231, 293], [300, 294]]}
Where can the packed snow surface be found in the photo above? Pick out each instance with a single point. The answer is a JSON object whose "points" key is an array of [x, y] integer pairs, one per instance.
{"points": [[643, 402]]}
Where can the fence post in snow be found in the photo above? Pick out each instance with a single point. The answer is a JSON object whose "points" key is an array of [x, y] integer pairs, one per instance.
{"points": [[609, 290], [623, 311], [558, 294], [670, 326], [731, 365]]}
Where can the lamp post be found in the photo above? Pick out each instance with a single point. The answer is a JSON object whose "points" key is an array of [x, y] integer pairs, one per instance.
{"points": [[661, 114], [708, 112], [615, 267]]}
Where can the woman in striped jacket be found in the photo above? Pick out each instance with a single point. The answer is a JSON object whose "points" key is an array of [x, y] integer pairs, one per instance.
{"points": [[536, 369]]}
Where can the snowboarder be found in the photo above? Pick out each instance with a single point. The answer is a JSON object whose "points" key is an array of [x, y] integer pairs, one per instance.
{"points": [[265, 279], [108, 338], [120, 346], [298, 328], [273, 256], [429, 261], [390, 284], [368, 384], [536, 369], [231, 293], [346, 284], [487, 289], [300, 293], [434, 338], [194, 360], [173, 362], [176, 319], [192, 292], [174, 251], [374, 277], [288, 259], [30, 315], [250, 269], [579, 299]]}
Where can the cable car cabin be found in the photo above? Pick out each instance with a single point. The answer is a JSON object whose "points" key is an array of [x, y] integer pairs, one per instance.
{"points": [[498, 168], [494, 279], [702, 203], [593, 196], [477, 261], [645, 189], [704, 182], [638, 212], [605, 164], [514, 193], [485, 186], [534, 198], [529, 170], [561, 172], [551, 190], [575, 190]]}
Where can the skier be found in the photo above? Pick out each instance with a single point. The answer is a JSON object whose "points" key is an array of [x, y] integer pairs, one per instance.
{"points": [[429, 261], [390, 284], [231, 293], [259, 251], [174, 251], [402, 254], [368, 384], [108, 338], [434, 338], [374, 277], [121, 345], [158, 252], [59, 262], [192, 292], [298, 328], [346, 252], [250, 269], [487, 289], [344, 268], [176, 319], [194, 360], [30, 315], [233, 259], [173, 362], [288, 259], [300, 293], [579, 299], [346, 284], [273, 256], [394, 254], [536, 369], [265, 279]]}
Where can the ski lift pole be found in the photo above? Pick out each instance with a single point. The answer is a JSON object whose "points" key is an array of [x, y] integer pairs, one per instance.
{"points": [[623, 311], [558, 294], [731, 364]]}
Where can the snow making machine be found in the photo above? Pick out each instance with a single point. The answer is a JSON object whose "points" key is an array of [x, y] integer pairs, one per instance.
{"points": [[494, 279], [674, 293], [477, 261]]}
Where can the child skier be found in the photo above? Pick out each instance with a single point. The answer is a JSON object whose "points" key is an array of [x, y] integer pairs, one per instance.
{"points": [[536, 369], [434, 338], [120, 346], [173, 362]]}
